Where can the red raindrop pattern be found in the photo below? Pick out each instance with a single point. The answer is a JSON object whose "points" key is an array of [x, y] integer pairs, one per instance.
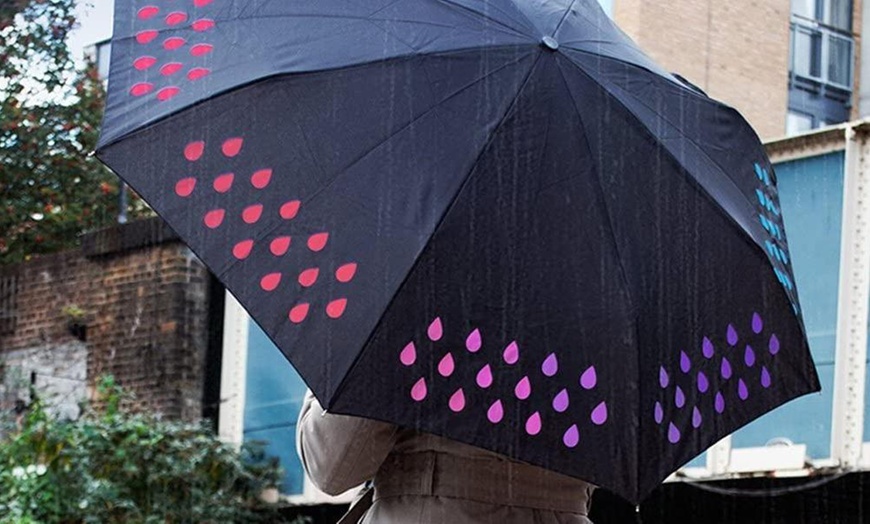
{"points": [[227, 149], [183, 24], [526, 403]]}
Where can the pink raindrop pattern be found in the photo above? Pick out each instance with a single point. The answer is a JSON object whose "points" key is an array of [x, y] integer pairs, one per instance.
{"points": [[520, 402]]}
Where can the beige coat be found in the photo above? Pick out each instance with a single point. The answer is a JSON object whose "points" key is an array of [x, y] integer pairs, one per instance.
{"points": [[424, 479]]}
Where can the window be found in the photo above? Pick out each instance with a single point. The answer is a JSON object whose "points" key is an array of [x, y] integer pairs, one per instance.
{"points": [[797, 123], [805, 8], [807, 52], [839, 14], [839, 60]]}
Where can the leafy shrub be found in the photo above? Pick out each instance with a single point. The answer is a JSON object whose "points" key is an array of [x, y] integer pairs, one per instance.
{"points": [[114, 465]]}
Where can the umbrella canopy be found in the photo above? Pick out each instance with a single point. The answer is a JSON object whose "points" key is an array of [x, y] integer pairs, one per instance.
{"points": [[495, 221]]}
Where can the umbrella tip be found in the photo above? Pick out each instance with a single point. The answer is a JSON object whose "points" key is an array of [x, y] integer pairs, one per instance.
{"points": [[550, 43]]}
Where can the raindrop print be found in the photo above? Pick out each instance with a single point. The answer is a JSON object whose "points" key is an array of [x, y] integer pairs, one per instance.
{"points": [[599, 414], [144, 62], [511, 353], [184, 187], [171, 68], [317, 241], [345, 273], [203, 24], [533, 424], [757, 323], [457, 401], [679, 397], [703, 383], [174, 42], [279, 246], [589, 378], [495, 412], [201, 49], [659, 413], [175, 18], [749, 356], [446, 366], [473, 341], [270, 281], [335, 309], [232, 147], [765, 378], [707, 348], [260, 179], [696, 418], [523, 388], [243, 249], [146, 37], [149, 11], [484, 377], [214, 218], [167, 93], [773, 345], [201, 3], [299, 312], [561, 401], [198, 72], [418, 392], [193, 151], [685, 363], [252, 214], [436, 330], [673, 433], [571, 437], [550, 366], [290, 209], [731, 335], [725, 369], [223, 183], [308, 277], [142, 88], [742, 390], [408, 355], [720, 403], [664, 380]]}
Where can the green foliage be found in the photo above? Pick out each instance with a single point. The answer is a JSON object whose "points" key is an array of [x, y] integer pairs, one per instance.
{"points": [[117, 466], [52, 189]]}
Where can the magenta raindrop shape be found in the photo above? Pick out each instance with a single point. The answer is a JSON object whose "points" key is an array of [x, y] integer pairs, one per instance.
{"points": [[473, 342], [495, 412], [659, 413], [523, 388], [679, 397], [765, 378], [673, 433], [550, 365], [457, 401], [696, 417], [511, 353], [685, 363], [731, 335], [742, 390], [720, 403], [707, 348], [773, 345], [571, 437], [749, 356], [418, 392], [664, 380], [599, 414], [436, 330], [757, 324], [703, 383], [484, 376], [408, 355], [589, 378], [726, 368], [560, 401], [446, 366], [533, 424]]}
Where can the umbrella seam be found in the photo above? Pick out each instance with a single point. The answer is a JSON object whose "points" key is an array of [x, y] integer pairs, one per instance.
{"points": [[434, 230]]}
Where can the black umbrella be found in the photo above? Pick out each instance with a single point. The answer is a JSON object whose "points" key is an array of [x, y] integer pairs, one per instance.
{"points": [[495, 221]]}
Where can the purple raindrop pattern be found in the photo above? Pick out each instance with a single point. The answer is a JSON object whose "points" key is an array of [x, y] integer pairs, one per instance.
{"points": [[721, 373], [479, 397]]}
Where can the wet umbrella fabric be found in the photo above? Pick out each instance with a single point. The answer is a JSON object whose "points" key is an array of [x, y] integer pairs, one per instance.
{"points": [[494, 221]]}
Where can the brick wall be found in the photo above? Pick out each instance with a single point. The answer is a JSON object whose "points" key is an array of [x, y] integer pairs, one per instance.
{"points": [[145, 299], [735, 51]]}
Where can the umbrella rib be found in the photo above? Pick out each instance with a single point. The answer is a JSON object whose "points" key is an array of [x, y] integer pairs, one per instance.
{"points": [[447, 209], [465, 9], [567, 12]]}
